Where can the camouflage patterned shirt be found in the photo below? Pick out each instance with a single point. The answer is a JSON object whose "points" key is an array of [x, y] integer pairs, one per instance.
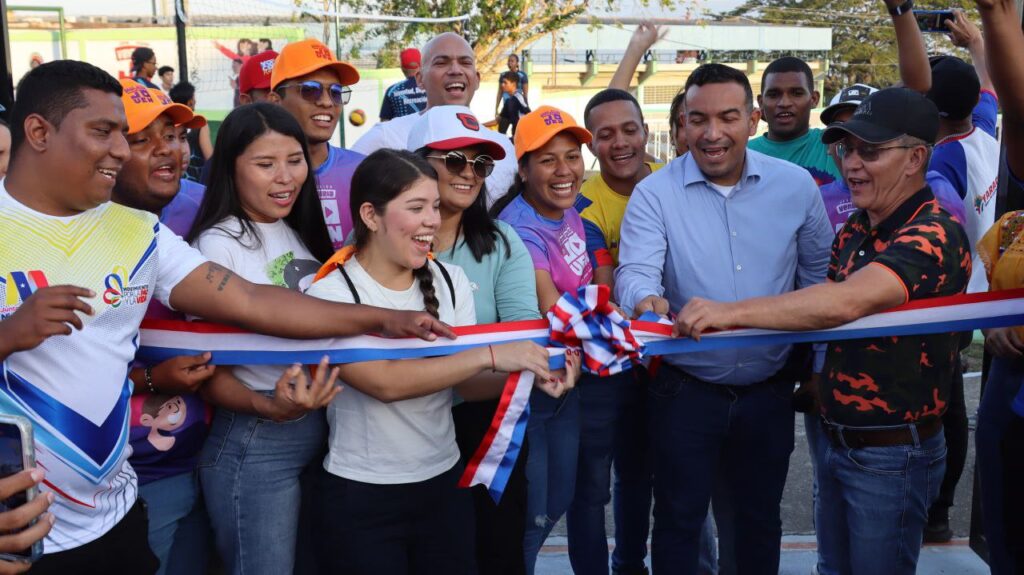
{"points": [[896, 380]]}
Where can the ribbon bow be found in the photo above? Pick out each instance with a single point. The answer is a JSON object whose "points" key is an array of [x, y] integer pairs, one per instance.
{"points": [[589, 321]]}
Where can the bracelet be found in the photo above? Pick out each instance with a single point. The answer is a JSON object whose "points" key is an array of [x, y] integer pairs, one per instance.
{"points": [[491, 349], [149, 379]]}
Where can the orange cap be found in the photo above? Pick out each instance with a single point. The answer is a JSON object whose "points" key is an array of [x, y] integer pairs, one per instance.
{"points": [[300, 58], [142, 105], [539, 126]]}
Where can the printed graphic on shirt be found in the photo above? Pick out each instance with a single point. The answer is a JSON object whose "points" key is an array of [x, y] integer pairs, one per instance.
{"points": [[289, 272], [574, 250]]}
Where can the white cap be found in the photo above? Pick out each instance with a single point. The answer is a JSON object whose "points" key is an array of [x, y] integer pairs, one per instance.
{"points": [[451, 128]]}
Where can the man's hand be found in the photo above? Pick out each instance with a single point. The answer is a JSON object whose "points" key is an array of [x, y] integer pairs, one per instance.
{"points": [[415, 324], [658, 305], [962, 32], [15, 521], [1003, 342], [699, 315], [182, 374], [646, 35], [48, 312]]}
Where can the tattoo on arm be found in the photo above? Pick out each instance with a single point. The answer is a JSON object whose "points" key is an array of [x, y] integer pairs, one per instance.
{"points": [[212, 270]]}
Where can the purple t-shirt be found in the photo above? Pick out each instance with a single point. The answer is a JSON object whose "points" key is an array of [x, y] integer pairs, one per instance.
{"points": [[333, 183], [167, 431], [839, 206], [556, 246]]}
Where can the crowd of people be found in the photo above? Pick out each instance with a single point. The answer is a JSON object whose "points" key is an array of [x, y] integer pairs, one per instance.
{"points": [[433, 220]]}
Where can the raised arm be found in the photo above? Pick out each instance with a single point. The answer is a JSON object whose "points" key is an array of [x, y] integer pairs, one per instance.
{"points": [[645, 36], [915, 71], [1003, 39], [963, 33], [215, 293]]}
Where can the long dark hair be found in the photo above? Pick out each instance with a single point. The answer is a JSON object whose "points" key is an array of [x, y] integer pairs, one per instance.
{"points": [[516, 189], [240, 129], [381, 177], [476, 226]]}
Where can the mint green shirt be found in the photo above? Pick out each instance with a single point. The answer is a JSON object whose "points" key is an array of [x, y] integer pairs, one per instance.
{"points": [[504, 286], [807, 151]]}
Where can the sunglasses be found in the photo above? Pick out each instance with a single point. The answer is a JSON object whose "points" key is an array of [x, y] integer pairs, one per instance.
{"points": [[866, 153], [455, 163], [312, 91]]}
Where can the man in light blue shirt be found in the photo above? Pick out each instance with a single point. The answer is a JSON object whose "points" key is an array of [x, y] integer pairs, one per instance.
{"points": [[726, 223]]}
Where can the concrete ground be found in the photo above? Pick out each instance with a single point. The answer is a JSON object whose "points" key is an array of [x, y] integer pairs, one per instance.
{"points": [[798, 545]]}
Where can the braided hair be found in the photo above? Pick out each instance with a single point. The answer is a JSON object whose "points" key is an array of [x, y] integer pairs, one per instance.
{"points": [[381, 177]]}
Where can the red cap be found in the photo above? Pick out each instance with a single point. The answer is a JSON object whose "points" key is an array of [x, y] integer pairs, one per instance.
{"points": [[410, 58], [255, 72]]}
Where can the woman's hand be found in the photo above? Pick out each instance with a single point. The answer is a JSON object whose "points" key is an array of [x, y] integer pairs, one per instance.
{"points": [[563, 380], [521, 356], [293, 397]]}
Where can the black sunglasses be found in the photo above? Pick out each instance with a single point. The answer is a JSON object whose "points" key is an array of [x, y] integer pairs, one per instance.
{"points": [[455, 163], [312, 91]]}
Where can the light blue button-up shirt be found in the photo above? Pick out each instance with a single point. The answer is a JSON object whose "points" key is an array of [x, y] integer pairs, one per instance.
{"points": [[681, 238]]}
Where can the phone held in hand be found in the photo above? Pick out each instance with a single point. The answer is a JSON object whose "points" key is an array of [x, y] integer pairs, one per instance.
{"points": [[17, 453], [933, 21]]}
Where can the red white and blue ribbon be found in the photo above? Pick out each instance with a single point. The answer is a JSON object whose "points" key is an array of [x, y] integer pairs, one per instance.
{"points": [[584, 320]]}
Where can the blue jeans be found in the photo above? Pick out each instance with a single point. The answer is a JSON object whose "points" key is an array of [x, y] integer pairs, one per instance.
{"points": [[1005, 378], [553, 435], [603, 408], [178, 526], [872, 505], [733, 441], [250, 471]]}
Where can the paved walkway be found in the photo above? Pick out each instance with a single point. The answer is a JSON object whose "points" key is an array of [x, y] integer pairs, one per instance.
{"points": [[798, 557]]}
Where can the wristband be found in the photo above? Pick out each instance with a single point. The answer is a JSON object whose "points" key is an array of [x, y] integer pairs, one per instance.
{"points": [[903, 8], [149, 379]]}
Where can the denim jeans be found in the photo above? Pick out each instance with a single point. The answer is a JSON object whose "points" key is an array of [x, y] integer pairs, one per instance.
{"points": [[995, 420], [178, 524], [733, 441], [603, 405], [553, 434], [633, 485], [873, 504], [250, 468]]}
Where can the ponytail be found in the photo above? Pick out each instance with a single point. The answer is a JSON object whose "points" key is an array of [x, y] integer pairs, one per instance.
{"points": [[425, 279]]}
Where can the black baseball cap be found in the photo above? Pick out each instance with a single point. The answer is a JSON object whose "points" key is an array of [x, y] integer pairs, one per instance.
{"points": [[955, 87], [847, 98], [886, 115]]}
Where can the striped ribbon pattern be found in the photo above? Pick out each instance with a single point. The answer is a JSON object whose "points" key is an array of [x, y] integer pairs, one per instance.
{"points": [[586, 320]]}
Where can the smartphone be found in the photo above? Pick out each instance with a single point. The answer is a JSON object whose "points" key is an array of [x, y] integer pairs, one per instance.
{"points": [[933, 21], [17, 453]]}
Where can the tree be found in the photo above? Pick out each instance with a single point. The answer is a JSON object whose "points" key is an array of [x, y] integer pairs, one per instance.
{"points": [[495, 27], [863, 40]]}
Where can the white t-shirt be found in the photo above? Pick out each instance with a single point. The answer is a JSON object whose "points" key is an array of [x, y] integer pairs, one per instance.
{"points": [[404, 441], [75, 389], [280, 259], [726, 191], [395, 134]]}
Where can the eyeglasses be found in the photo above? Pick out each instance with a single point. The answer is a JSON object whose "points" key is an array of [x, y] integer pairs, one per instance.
{"points": [[866, 153], [455, 163], [312, 91]]}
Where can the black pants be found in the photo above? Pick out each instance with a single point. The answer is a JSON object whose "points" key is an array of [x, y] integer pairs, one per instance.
{"points": [[122, 550], [499, 527], [402, 529], [954, 425]]}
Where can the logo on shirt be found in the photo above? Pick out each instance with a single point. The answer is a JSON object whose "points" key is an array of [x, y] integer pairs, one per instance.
{"points": [[18, 287], [117, 293], [981, 201]]}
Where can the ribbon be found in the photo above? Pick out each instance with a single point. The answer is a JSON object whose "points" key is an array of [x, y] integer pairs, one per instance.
{"points": [[586, 320]]}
